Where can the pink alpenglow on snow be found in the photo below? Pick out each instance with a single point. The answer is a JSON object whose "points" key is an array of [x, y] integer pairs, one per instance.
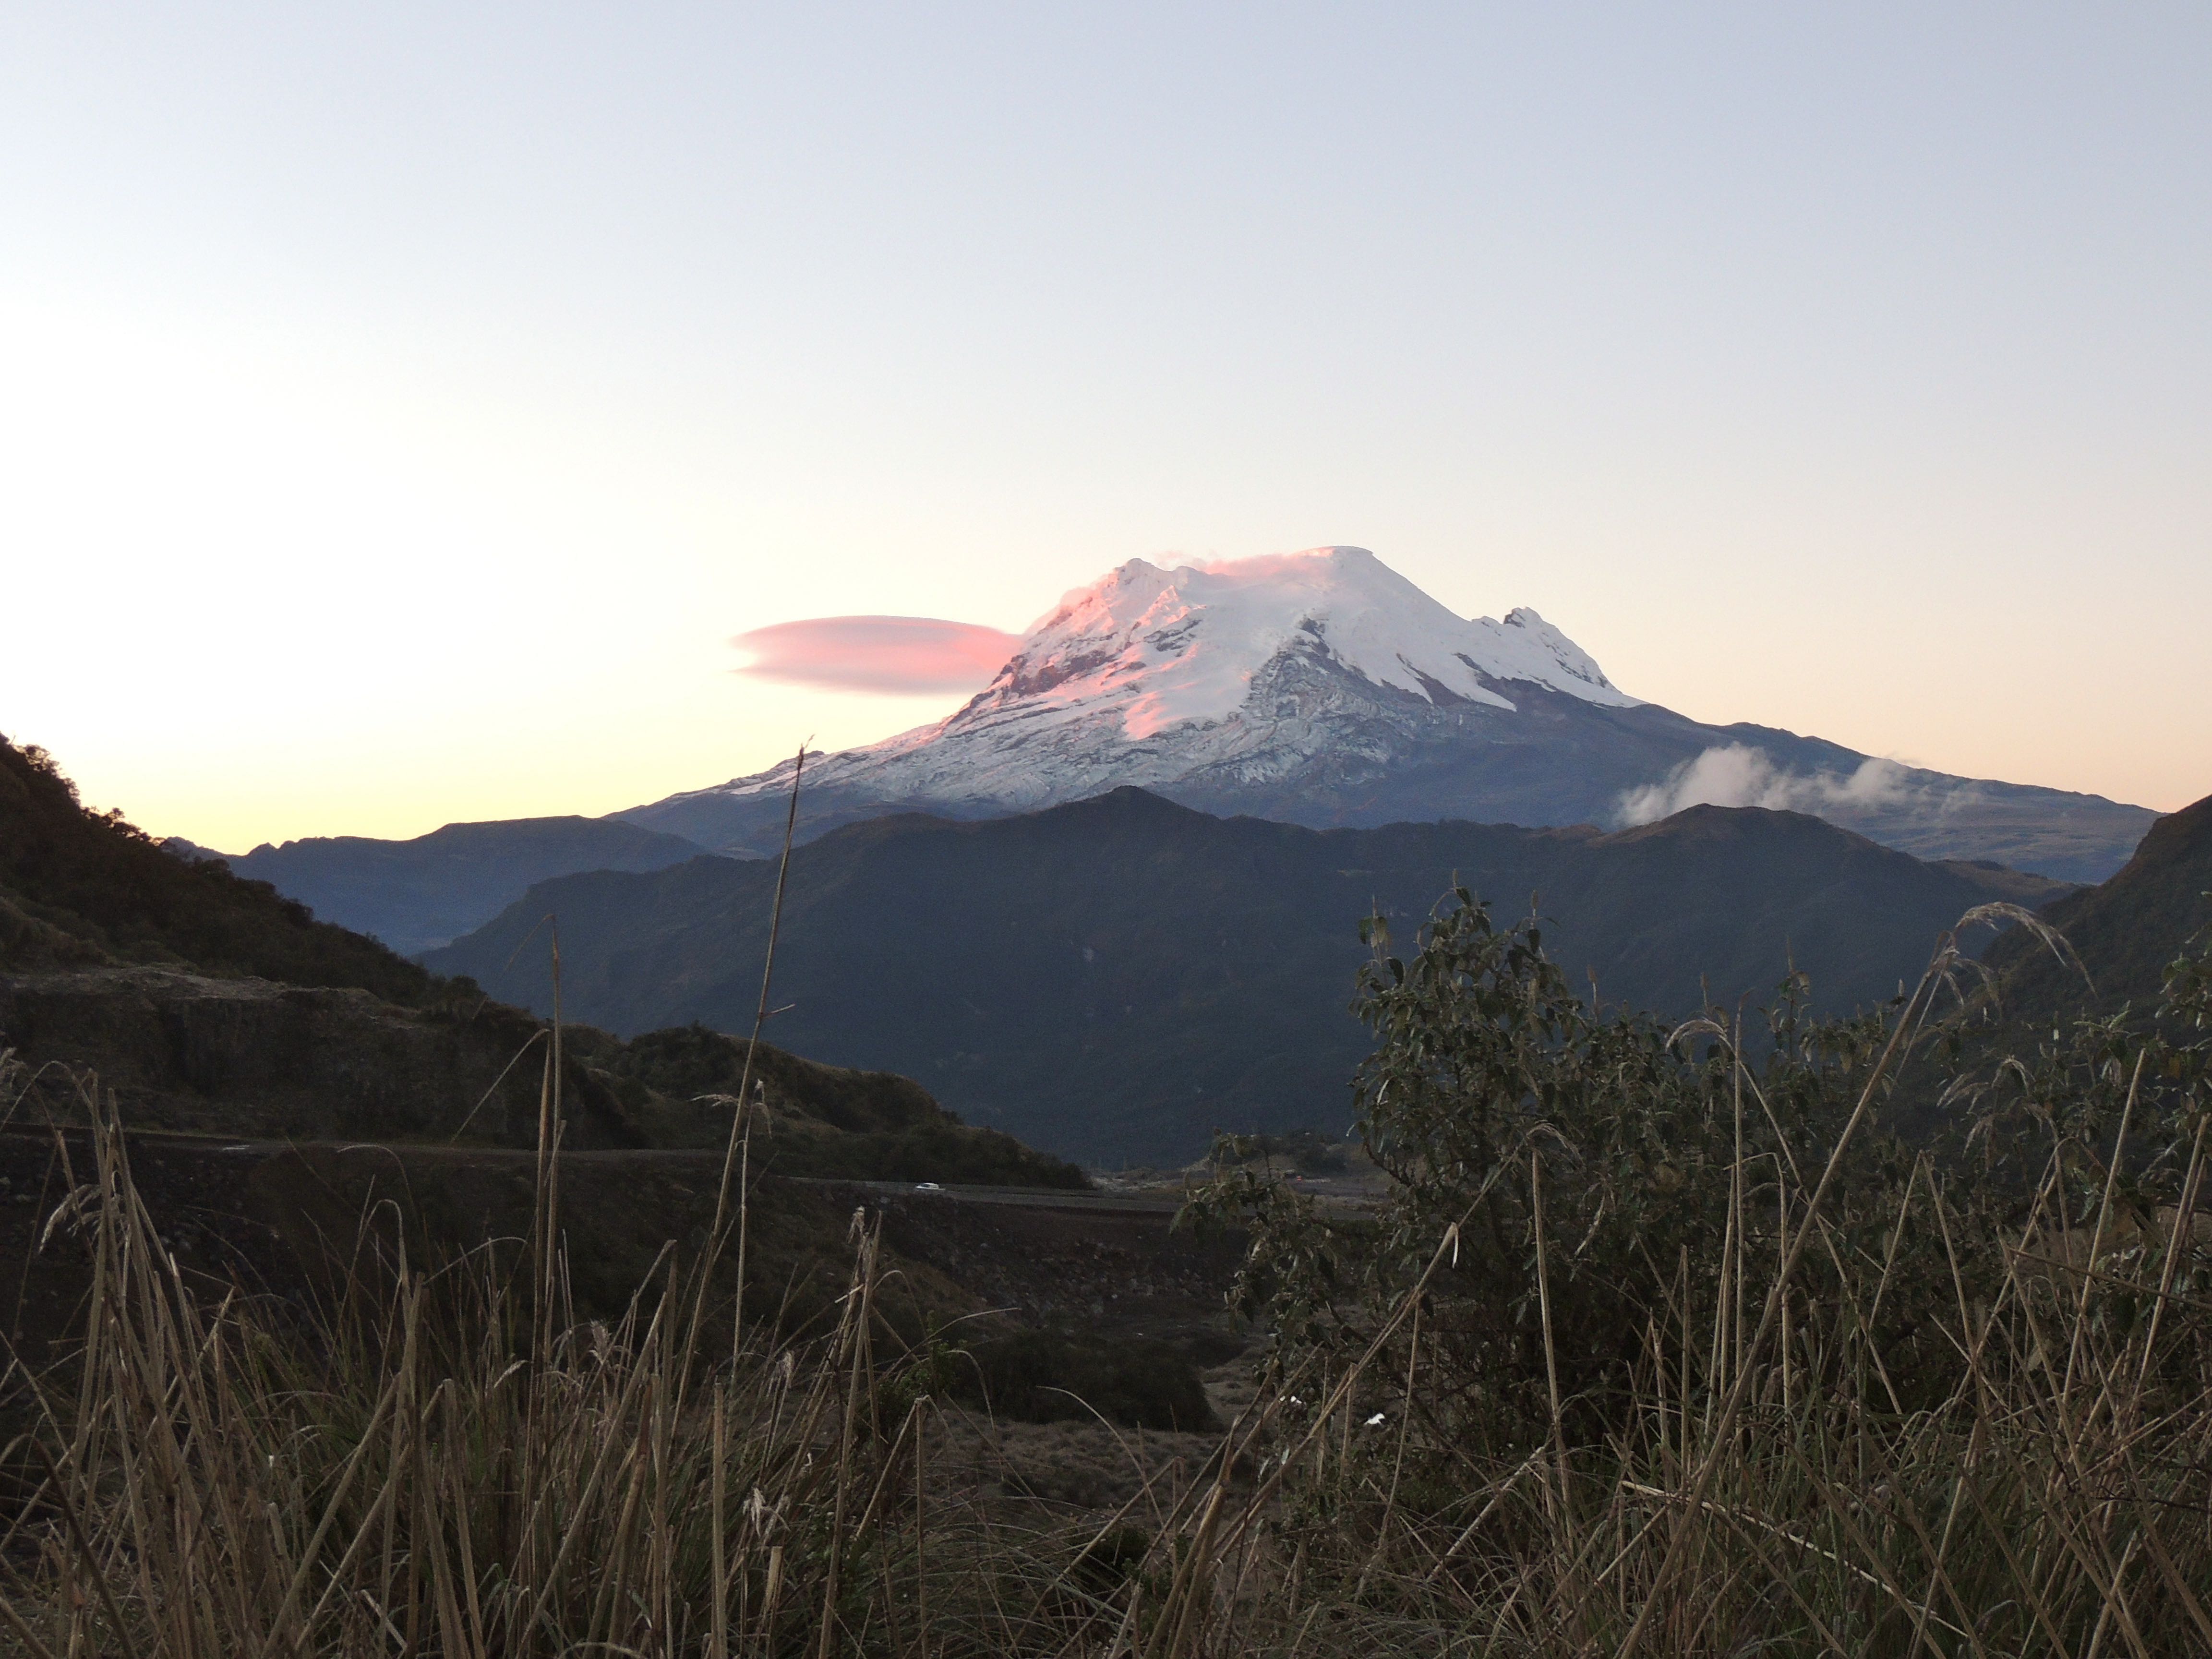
{"points": [[1146, 675], [1324, 688], [1170, 648], [899, 655]]}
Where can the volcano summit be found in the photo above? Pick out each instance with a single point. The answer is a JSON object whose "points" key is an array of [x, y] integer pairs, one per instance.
{"points": [[1323, 688]]}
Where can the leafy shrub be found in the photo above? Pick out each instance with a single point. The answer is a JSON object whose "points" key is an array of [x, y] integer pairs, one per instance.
{"points": [[1660, 1299], [1493, 1087]]}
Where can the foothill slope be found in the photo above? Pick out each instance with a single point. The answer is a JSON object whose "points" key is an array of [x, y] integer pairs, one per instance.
{"points": [[1116, 978]]}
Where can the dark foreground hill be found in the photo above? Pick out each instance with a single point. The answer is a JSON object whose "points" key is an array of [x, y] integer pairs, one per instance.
{"points": [[204, 1001], [291, 1090], [1116, 978], [77, 888], [417, 895]]}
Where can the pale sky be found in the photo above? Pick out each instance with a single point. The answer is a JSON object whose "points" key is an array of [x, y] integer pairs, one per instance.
{"points": [[402, 407]]}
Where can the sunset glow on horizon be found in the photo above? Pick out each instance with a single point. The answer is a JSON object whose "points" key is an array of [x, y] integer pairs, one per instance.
{"points": [[411, 415]]}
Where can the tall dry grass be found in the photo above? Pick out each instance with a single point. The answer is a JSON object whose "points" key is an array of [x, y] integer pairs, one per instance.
{"points": [[1771, 1490], [447, 1461]]}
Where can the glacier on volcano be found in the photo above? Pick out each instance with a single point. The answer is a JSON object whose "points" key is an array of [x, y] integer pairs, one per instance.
{"points": [[1322, 687], [1148, 674], [1168, 647]]}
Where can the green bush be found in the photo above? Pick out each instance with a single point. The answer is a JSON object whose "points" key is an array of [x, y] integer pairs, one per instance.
{"points": [[1655, 1152], [1490, 1078]]}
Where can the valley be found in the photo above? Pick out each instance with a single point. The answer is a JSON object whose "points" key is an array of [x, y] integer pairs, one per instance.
{"points": [[264, 1175], [1116, 979], [734, 925]]}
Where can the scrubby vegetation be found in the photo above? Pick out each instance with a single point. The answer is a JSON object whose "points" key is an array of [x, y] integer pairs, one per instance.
{"points": [[86, 887], [1056, 1376], [835, 1123], [451, 1456], [83, 891], [1660, 1341]]}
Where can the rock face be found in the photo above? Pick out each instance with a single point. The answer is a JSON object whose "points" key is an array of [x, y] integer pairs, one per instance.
{"points": [[1323, 688]]}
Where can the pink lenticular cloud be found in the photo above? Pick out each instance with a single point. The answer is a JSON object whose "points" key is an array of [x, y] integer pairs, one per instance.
{"points": [[882, 654]]}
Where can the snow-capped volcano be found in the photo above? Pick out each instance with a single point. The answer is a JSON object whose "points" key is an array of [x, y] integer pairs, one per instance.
{"points": [[1169, 648], [1147, 675], [1322, 687]]}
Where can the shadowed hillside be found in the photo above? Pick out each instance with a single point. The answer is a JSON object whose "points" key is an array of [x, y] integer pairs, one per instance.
{"points": [[416, 894], [77, 888], [1118, 977], [2126, 931], [206, 1002]]}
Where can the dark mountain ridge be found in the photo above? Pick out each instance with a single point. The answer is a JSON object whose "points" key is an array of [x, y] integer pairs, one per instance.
{"points": [[76, 888], [1116, 977], [2126, 932], [417, 895]]}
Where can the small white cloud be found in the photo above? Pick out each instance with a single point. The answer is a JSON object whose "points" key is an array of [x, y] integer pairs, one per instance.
{"points": [[1737, 774]]}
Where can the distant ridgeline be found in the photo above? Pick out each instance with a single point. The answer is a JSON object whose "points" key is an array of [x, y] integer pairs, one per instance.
{"points": [[206, 1001], [1320, 688], [417, 895], [1117, 978]]}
